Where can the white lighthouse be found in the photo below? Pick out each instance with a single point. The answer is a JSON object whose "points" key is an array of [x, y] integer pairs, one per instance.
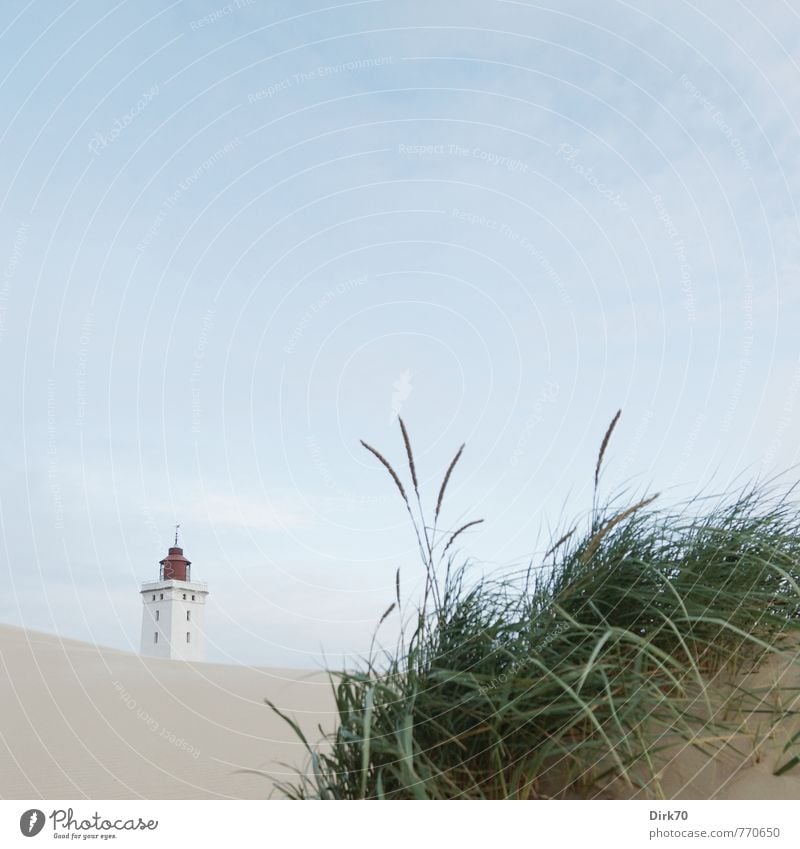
{"points": [[173, 611]]}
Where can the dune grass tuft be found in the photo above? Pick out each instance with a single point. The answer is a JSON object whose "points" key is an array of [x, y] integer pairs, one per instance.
{"points": [[576, 674]]}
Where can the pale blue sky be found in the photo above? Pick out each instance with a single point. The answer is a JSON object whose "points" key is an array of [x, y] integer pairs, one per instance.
{"points": [[236, 239]]}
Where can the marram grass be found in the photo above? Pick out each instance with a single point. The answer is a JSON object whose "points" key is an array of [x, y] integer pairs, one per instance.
{"points": [[578, 674]]}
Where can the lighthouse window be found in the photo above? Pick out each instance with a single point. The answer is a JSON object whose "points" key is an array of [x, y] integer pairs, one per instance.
{"points": [[154, 596], [162, 596], [188, 615], [187, 636], [184, 596], [157, 614], [155, 637], [192, 596]]}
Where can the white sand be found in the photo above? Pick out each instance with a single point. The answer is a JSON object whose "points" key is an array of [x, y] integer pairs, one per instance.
{"points": [[80, 721]]}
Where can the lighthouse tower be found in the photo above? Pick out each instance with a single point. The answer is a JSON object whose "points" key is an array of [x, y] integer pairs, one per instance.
{"points": [[173, 614]]}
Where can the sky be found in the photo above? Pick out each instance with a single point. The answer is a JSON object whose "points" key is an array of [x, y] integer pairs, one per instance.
{"points": [[238, 239]]}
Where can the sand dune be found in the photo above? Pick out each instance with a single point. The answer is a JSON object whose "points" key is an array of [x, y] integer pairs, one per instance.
{"points": [[762, 714], [77, 720]]}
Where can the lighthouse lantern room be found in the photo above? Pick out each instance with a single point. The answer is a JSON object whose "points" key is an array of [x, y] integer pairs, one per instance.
{"points": [[173, 613]]}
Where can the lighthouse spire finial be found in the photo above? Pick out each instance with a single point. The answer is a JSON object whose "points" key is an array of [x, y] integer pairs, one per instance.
{"points": [[176, 535]]}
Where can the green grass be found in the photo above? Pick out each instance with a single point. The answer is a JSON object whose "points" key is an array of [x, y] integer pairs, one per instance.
{"points": [[586, 669]]}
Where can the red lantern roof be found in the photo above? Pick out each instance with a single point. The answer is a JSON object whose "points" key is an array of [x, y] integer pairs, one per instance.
{"points": [[175, 567]]}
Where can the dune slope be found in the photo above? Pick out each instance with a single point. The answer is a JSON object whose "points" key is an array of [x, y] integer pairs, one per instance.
{"points": [[78, 720]]}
